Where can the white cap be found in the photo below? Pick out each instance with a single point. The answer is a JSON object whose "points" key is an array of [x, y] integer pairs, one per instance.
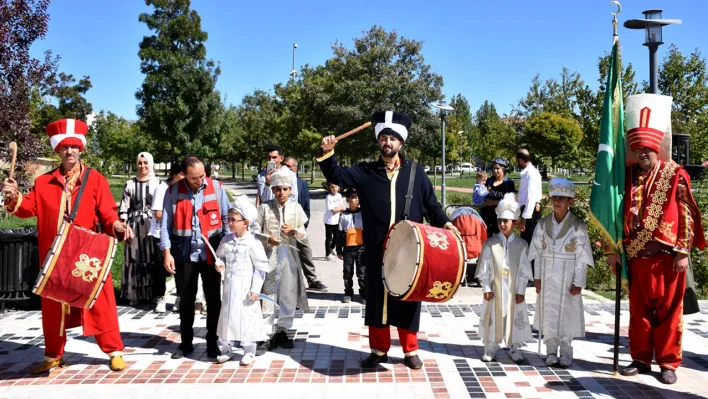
{"points": [[560, 187], [508, 208], [282, 177]]}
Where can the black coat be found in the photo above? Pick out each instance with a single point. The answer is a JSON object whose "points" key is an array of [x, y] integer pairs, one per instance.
{"points": [[374, 189]]}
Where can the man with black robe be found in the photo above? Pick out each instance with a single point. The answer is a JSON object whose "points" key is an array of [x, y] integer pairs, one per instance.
{"points": [[382, 188]]}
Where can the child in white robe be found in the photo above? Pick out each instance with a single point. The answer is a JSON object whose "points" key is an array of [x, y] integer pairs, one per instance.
{"points": [[243, 262], [561, 250], [504, 271]]}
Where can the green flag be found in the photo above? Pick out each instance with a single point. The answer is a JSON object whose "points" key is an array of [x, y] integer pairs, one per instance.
{"points": [[606, 208]]}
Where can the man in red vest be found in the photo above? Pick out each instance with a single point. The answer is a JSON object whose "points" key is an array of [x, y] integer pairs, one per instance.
{"points": [[194, 208], [661, 224], [50, 200]]}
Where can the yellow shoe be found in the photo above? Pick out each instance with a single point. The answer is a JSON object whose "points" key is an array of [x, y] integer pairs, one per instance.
{"points": [[117, 363], [47, 365]]}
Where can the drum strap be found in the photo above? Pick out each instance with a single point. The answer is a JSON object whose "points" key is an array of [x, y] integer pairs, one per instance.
{"points": [[75, 208], [409, 194]]}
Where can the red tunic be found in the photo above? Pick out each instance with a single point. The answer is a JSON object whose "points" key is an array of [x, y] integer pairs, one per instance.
{"points": [[47, 201]]}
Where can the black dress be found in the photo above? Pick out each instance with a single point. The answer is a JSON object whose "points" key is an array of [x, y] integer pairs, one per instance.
{"points": [[374, 188], [496, 193]]}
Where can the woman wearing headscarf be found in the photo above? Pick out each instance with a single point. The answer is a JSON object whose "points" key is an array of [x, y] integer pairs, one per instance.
{"points": [[497, 185], [139, 260]]}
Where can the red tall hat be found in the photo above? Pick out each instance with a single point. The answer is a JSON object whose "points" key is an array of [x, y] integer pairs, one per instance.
{"points": [[67, 132], [645, 135]]}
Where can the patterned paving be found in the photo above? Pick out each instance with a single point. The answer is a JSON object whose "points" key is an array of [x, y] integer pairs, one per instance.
{"points": [[329, 343]]}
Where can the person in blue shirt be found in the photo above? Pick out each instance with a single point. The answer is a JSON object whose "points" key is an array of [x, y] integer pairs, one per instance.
{"points": [[480, 188]]}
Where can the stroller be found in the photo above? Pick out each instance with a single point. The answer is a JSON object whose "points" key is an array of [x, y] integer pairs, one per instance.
{"points": [[474, 233]]}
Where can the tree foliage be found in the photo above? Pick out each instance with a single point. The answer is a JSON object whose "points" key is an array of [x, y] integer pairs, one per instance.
{"points": [[497, 138], [553, 137], [179, 106], [22, 23]]}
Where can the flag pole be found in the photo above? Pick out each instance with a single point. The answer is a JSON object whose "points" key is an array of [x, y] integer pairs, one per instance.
{"points": [[618, 275]]}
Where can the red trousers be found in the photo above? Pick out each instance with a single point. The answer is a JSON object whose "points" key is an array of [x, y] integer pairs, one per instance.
{"points": [[55, 321], [380, 340], [656, 311]]}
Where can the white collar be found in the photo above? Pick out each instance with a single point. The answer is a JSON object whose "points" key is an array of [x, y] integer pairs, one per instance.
{"points": [[553, 217], [505, 240], [528, 167]]}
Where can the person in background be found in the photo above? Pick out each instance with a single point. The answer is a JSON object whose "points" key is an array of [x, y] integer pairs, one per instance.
{"points": [[350, 246], [140, 270], [160, 276], [274, 154], [497, 185], [334, 207], [303, 245], [480, 188]]}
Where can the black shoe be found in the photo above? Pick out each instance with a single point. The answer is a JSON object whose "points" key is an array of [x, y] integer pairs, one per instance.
{"points": [[213, 350], [413, 362], [635, 368], [668, 376], [373, 359], [317, 286], [183, 351], [262, 348], [281, 339]]}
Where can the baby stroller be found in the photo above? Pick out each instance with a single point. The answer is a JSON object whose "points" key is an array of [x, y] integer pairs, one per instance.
{"points": [[474, 233]]}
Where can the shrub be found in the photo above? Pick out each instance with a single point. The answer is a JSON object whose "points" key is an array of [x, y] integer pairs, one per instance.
{"points": [[699, 259]]}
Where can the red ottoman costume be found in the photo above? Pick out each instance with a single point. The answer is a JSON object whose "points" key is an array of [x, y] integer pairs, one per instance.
{"points": [[661, 221], [50, 200]]}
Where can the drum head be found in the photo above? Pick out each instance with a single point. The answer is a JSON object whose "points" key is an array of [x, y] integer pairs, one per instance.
{"points": [[401, 258]]}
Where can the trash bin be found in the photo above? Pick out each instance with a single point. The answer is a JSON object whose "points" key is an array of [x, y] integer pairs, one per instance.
{"points": [[19, 265]]}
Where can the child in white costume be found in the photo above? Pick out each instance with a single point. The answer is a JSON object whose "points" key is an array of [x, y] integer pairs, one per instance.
{"points": [[504, 271], [561, 248], [243, 262]]}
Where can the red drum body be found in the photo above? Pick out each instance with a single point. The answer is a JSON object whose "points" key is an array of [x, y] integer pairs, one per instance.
{"points": [[76, 267], [422, 263]]}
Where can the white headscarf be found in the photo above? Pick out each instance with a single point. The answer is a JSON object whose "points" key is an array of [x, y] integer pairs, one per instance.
{"points": [[246, 209], [148, 157]]}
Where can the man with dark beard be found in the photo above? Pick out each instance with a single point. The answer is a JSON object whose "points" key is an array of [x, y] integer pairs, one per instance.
{"points": [[379, 183]]}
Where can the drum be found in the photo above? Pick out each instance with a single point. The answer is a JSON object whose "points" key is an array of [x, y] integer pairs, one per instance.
{"points": [[76, 267], [422, 263]]}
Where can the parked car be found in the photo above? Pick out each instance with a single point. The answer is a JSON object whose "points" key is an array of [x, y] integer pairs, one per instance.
{"points": [[468, 167], [426, 169]]}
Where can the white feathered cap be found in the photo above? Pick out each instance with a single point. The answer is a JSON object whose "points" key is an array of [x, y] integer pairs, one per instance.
{"points": [[560, 187], [245, 208], [281, 177], [508, 208]]}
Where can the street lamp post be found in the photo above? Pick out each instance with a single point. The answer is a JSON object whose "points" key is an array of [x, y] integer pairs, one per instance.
{"points": [[293, 72], [460, 142], [444, 109], [652, 25]]}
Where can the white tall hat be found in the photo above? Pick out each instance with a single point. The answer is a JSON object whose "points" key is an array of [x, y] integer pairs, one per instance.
{"points": [[245, 208], [560, 187], [281, 177], [508, 207], [647, 118]]}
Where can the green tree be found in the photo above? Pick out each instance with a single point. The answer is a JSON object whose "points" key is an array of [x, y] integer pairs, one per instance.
{"points": [[496, 137], [553, 137], [179, 106], [117, 141], [686, 80]]}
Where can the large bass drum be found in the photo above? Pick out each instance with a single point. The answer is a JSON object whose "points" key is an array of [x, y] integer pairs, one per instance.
{"points": [[422, 263]]}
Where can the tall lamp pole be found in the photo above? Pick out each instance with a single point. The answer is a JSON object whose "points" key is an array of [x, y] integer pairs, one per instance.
{"points": [[293, 72], [444, 109], [652, 25]]}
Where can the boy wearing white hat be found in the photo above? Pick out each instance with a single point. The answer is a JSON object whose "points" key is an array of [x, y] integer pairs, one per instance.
{"points": [[504, 270], [243, 262], [282, 223], [561, 248]]}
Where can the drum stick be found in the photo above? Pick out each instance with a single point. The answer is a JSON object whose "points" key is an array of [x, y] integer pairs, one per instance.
{"points": [[13, 147], [266, 236], [349, 133], [206, 241]]}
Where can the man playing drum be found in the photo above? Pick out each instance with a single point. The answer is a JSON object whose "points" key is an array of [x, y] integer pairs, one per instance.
{"points": [[50, 200], [378, 183]]}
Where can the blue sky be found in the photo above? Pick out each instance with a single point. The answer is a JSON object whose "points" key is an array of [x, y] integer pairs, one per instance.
{"points": [[484, 50]]}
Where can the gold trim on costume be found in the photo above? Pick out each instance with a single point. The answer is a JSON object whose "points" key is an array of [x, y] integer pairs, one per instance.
{"points": [[53, 262], [421, 257], [325, 156], [17, 205]]}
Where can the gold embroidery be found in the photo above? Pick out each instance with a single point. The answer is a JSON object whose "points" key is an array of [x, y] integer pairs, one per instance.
{"points": [[543, 243], [438, 240], [667, 230], [655, 210], [571, 246], [87, 268], [440, 290], [505, 273]]}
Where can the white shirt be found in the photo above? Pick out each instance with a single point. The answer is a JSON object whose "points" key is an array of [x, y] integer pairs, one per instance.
{"points": [[158, 198], [333, 201], [557, 225], [530, 190]]}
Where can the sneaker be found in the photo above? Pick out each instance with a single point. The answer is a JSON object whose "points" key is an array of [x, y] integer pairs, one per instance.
{"points": [[551, 360], [213, 350], [347, 299], [183, 351], [160, 305], [317, 286], [247, 359], [565, 361], [516, 355], [488, 358], [282, 340], [175, 307], [331, 257], [262, 348]]}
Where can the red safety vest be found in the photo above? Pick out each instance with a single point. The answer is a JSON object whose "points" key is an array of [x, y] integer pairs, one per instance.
{"points": [[209, 215]]}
